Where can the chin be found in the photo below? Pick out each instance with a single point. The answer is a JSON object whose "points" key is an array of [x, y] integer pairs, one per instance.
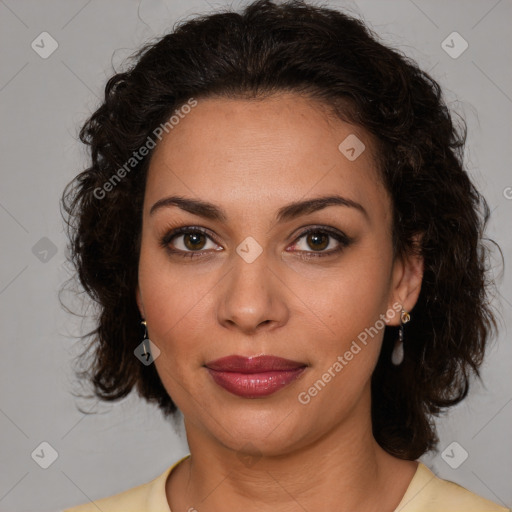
{"points": [[271, 433]]}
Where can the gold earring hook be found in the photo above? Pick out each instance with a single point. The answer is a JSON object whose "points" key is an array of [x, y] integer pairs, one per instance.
{"points": [[405, 316]]}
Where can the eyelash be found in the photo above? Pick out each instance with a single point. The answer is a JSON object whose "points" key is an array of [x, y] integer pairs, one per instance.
{"points": [[340, 237]]}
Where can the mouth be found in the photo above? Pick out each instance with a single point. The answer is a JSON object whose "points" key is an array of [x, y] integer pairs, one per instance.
{"points": [[254, 377]]}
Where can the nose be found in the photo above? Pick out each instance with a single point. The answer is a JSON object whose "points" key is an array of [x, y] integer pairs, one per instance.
{"points": [[252, 297]]}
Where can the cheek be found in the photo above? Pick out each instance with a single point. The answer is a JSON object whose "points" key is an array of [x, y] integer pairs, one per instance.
{"points": [[347, 297], [349, 346], [176, 303], [349, 302]]}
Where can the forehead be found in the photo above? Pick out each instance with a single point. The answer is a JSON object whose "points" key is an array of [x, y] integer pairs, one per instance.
{"points": [[280, 149]]}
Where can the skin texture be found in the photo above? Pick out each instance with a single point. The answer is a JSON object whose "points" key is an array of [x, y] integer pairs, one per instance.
{"points": [[252, 158]]}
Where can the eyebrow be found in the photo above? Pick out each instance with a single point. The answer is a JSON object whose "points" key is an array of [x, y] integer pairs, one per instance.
{"points": [[286, 213]]}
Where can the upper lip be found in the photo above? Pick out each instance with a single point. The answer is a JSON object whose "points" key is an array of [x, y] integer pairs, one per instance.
{"points": [[255, 364]]}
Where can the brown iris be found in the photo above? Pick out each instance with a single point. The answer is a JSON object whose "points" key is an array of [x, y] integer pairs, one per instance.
{"points": [[318, 240], [194, 239]]}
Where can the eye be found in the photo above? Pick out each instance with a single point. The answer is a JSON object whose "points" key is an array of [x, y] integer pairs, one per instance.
{"points": [[192, 241], [321, 238], [188, 241]]}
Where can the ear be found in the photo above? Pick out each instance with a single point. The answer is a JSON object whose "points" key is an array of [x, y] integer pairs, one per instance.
{"points": [[406, 281], [138, 298]]}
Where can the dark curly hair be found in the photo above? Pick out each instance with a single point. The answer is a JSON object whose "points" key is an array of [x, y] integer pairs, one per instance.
{"points": [[328, 56]]}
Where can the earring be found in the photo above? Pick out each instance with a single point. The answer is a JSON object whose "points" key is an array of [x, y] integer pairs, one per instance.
{"points": [[145, 342], [397, 355]]}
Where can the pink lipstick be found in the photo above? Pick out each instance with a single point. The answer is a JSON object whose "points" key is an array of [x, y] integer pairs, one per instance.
{"points": [[254, 377]]}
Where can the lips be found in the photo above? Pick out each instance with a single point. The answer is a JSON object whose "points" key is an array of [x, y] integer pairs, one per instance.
{"points": [[254, 377], [255, 364]]}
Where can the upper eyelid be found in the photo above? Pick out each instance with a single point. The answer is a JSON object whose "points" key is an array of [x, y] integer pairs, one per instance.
{"points": [[173, 233]]}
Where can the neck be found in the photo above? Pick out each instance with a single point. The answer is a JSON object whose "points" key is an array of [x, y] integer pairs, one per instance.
{"points": [[342, 471]]}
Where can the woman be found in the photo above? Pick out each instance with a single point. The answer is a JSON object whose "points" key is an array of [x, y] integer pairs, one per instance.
{"points": [[278, 202]]}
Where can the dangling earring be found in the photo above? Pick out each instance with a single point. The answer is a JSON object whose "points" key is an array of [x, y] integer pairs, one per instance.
{"points": [[146, 351], [145, 342], [398, 352]]}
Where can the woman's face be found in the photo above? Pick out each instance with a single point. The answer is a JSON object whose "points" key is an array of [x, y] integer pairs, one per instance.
{"points": [[254, 284]]}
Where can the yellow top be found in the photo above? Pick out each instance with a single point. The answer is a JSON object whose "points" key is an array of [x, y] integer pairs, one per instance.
{"points": [[426, 493]]}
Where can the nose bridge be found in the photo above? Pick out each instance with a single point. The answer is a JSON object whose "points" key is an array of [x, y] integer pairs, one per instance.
{"points": [[251, 295]]}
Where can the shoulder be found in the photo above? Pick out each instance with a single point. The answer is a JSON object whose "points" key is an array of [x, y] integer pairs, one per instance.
{"points": [[429, 493], [129, 500], [149, 497]]}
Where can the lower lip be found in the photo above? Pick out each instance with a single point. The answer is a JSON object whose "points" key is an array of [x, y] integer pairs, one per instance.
{"points": [[255, 385]]}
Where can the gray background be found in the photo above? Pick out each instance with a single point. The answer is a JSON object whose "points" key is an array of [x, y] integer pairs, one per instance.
{"points": [[43, 101]]}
